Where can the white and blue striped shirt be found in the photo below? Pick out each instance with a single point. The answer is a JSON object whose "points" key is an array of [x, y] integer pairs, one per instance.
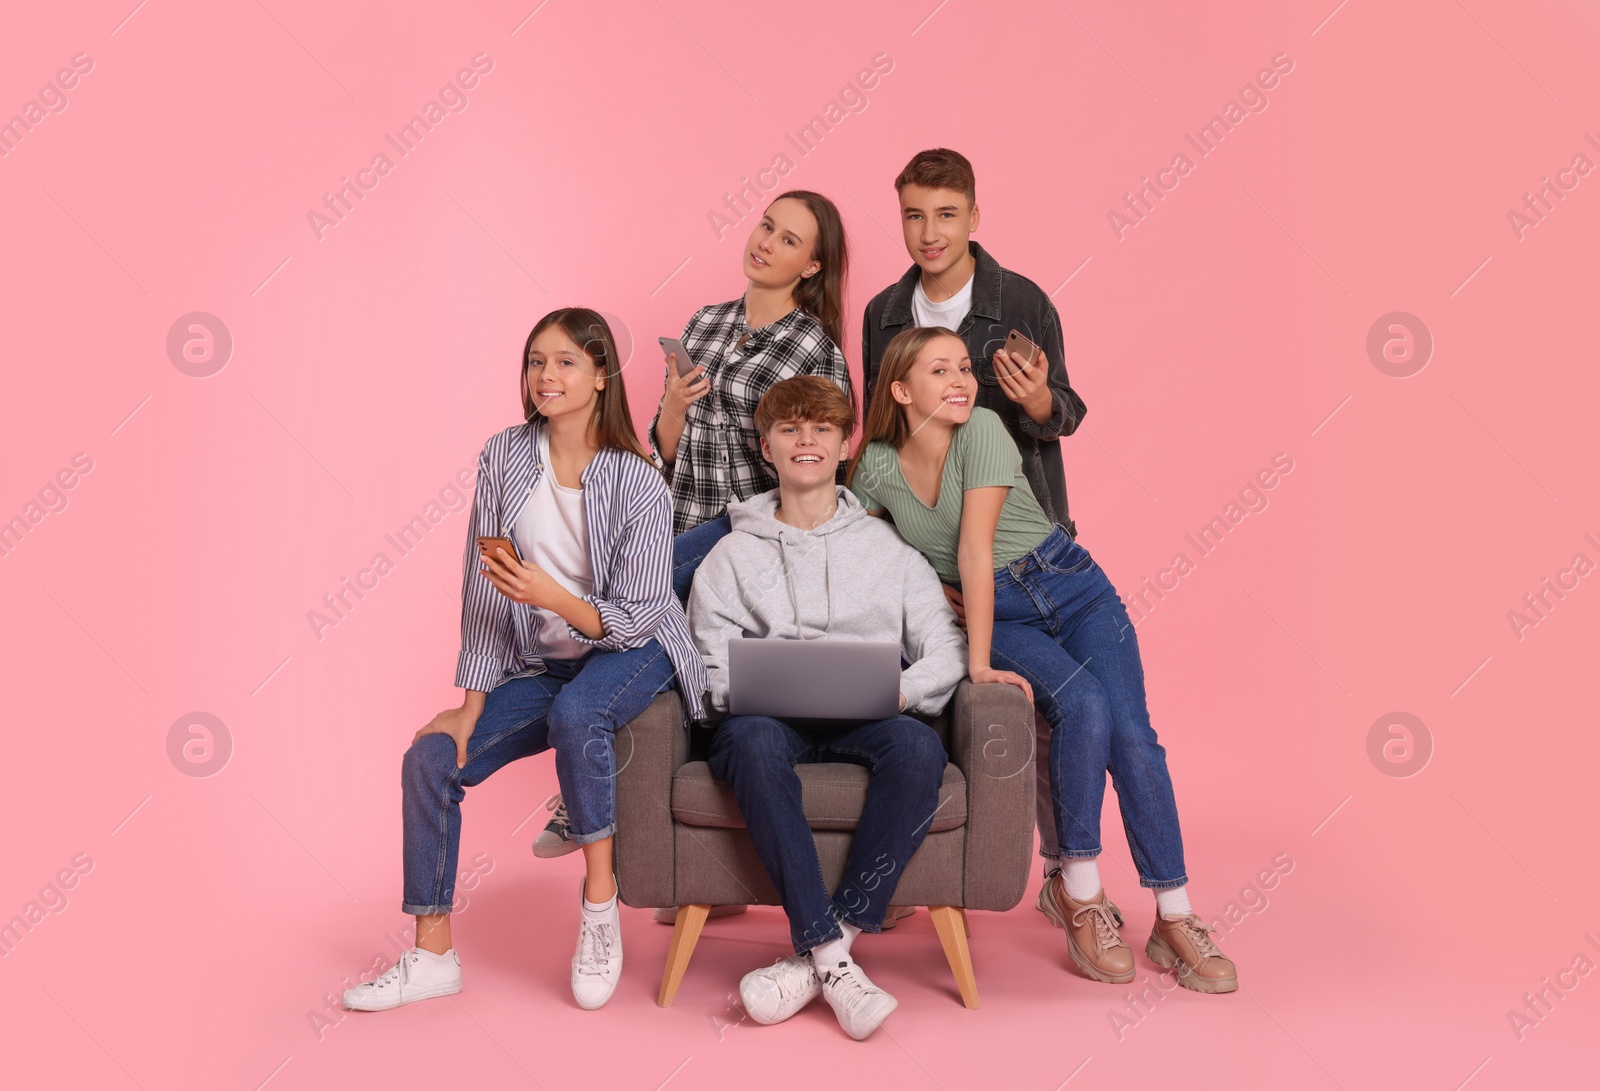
{"points": [[627, 508]]}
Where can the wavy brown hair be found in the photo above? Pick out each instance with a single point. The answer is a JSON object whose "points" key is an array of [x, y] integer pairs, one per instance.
{"points": [[939, 168], [886, 418], [610, 422], [807, 398]]}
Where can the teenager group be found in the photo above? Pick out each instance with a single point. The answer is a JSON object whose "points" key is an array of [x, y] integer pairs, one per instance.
{"points": [[629, 571]]}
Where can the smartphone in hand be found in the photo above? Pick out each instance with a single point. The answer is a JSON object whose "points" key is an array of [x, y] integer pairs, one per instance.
{"points": [[672, 346], [1023, 347], [487, 546]]}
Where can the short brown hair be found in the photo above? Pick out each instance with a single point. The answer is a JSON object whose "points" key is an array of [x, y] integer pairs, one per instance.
{"points": [[939, 168], [805, 397]]}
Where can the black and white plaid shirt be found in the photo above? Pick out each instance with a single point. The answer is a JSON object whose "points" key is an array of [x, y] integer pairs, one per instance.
{"points": [[719, 454]]}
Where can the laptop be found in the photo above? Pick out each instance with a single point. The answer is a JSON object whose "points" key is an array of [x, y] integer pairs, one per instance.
{"points": [[814, 679]]}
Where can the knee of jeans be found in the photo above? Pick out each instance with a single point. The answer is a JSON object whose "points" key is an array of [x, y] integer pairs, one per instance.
{"points": [[1085, 707], [924, 755], [575, 723], [756, 742], [429, 760]]}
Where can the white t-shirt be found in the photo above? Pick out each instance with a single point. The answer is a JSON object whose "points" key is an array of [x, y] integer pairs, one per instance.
{"points": [[551, 533], [947, 314]]}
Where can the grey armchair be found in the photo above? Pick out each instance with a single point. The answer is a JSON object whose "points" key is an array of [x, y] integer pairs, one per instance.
{"points": [[681, 840]]}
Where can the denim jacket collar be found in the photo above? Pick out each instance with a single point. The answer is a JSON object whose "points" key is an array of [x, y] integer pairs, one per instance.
{"points": [[986, 279]]}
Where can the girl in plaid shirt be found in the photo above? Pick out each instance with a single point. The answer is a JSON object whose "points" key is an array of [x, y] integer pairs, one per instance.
{"points": [[788, 322]]}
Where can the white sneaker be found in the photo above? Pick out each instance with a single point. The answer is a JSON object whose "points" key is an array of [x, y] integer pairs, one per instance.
{"points": [[597, 963], [773, 993], [556, 837], [417, 976], [669, 914], [860, 1006]]}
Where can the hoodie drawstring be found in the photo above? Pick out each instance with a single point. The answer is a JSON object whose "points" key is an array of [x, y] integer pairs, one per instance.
{"points": [[827, 584], [788, 576]]}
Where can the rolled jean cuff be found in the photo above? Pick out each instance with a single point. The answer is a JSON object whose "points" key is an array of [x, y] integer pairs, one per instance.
{"points": [[802, 947], [591, 838], [424, 910], [848, 919], [1163, 884], [1081, 854]]}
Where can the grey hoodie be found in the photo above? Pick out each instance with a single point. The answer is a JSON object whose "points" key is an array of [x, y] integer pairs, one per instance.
{"points": [[852, 578]]}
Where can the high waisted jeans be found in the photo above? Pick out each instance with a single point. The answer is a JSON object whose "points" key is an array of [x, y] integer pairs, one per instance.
{"points": [[574, 707], [1060, 624]]}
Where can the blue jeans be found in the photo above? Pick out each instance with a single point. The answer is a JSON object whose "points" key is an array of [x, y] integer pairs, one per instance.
{"points": [[1060, 624], [690, 548], [575, 707], [757, 756]]}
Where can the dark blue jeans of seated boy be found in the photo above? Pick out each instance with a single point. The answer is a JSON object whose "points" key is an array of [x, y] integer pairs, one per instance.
{"points": [[757, 755]]}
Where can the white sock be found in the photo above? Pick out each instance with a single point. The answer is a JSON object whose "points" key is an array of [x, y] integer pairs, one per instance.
{"points": [[1051, 863], [433, 957], [601, 909], [1081, 877], [850, 933], [1173, 902], [827, 956]]}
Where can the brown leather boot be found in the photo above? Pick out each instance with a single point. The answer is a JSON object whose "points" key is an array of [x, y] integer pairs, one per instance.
{"points": [[1185, 942], [1097, 948]]}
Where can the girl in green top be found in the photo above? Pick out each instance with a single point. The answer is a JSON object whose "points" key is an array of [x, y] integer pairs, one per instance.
{"points": [[1042, 615]]}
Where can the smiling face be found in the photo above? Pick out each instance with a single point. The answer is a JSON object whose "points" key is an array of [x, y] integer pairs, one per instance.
{"points": [[936, 224], [562, 377], [938, 385], [779, 251], [805, 452]]}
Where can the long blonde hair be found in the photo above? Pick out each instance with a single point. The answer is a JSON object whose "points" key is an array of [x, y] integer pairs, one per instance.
{"points": [[886, 418]]}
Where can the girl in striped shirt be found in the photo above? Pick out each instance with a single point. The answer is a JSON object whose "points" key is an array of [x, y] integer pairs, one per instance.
{"points": [[561, 643]]}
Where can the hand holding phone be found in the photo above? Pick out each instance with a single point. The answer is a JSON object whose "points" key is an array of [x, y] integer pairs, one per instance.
{"points": [[1016, 343], [673, 347], [487, 546], [1025, 383], [683, 390]]}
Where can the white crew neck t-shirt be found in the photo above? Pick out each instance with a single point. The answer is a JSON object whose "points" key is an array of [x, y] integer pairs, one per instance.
{"points": [[551, 533], [948, 314]]}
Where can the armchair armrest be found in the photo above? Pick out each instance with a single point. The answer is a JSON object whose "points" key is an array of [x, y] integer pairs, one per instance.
{"points": [[649, 750], [992, 742]]}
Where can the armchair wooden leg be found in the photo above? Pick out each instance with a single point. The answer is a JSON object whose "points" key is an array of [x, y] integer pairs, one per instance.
{"points": [[685, 934], [950, 922], [966, 925]]}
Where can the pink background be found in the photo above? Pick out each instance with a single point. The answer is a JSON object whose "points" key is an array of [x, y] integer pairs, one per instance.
{"points": [[368, 367]]}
